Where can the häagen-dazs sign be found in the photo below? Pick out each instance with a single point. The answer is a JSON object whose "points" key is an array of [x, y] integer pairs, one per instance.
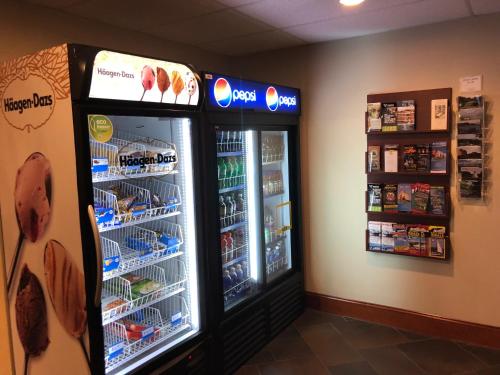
{"points": [[28, 103]]}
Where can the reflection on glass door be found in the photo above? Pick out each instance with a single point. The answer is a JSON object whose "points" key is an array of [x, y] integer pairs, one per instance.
{"points": [[277, 205], [238, 214]]}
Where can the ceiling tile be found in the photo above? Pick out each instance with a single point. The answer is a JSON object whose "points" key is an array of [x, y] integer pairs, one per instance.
{"points": [[286, 13], [135, 15], [54, 3], [420, 13], [237, 3], [212, 27], [269, 40], [485, 6]]}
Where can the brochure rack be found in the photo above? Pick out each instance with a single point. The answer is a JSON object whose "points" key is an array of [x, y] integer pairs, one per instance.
{"points": [[423, 134]]}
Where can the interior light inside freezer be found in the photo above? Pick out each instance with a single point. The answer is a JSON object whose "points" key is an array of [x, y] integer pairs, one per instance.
{"points": [[190, 219], [252, 204]]}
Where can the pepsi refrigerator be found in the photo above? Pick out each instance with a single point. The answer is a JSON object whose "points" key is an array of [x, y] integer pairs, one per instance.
{"points": [[100, 213], [252, 160]]}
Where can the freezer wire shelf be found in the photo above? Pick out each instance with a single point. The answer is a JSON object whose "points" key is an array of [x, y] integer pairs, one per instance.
{"points": [[233, 221], [277, 265], [236, 253], [231, 182], [130, 248], [159, 323], [131, 156], [124, 298], [231, 144], [124, 203]]}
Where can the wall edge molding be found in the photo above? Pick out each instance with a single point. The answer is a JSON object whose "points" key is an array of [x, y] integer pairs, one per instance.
{"points": [[431, 325]]}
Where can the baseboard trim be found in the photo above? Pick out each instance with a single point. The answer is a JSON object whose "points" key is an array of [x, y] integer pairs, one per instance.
{"points": [[430, 325]]}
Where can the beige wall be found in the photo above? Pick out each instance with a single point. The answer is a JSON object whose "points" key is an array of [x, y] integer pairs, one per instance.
{"points": [[335, 78], [27, 28]]}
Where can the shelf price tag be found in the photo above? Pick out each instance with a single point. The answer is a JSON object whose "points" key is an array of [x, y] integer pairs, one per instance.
{"points": [[176, 319], [116, 350], [147, 333]]}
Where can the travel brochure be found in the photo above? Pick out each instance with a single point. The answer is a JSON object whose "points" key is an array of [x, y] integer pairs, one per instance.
{"points": [[470, 146], [417, 198], [416, 158], [410, 239], [391, 117]]}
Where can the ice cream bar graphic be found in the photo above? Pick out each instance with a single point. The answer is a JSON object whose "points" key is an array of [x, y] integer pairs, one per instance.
{"points": [[148, 79], [31, 316], [177, 84], [32, 197], [191, 88], [162, 81], [65, 285]]}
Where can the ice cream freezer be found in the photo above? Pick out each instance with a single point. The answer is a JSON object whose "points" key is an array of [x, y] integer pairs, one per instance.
{"points": [[100, 211]]}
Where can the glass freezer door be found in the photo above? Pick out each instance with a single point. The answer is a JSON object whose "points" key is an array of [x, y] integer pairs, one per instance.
{"points": [[239, 214], [142, 173], [277, 206]]}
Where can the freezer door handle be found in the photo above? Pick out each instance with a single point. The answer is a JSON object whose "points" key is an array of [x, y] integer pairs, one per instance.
{"points": [[279, 207], [98, 254]]}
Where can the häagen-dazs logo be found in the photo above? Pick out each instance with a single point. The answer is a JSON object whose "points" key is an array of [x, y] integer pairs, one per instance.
{"points": [[28, 104]]}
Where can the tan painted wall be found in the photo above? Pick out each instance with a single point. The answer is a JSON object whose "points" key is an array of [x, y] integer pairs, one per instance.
{"points": [[335, 78]]}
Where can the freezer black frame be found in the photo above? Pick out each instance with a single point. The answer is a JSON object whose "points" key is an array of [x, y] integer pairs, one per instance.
{"points": [[82, 106]]}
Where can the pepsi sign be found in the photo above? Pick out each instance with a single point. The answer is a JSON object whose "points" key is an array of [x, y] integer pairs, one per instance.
{"points": [[227, 93]]}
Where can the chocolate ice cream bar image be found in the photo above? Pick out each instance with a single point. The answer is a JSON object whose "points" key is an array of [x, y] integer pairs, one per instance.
{"points": [[65, 284], [31, 316], [32, 197]]}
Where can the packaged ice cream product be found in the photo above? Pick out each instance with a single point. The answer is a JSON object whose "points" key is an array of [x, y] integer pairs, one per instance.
{"points": [[31, 315], [65, 284]]}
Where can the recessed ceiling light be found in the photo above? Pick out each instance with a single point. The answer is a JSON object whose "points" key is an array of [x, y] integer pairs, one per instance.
{"points": [[350, 3]]}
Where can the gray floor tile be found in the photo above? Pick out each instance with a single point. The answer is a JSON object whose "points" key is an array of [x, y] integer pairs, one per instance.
{"points": [[263, 356], [295, 366], [355, 368], [248, 370], [413, 336], [327, 343], [289, 348], [389, 360], [310, 317], [363, 334], [487, 355], [441, 357]]}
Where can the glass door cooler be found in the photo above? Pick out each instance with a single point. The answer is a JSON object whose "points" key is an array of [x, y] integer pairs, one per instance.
{"points": [[237, 198]]}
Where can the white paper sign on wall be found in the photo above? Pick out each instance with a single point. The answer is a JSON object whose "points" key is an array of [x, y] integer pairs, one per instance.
{"points": [[471, 84]]}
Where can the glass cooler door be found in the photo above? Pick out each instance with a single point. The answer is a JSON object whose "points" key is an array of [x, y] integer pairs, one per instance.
{"points": [[142, 176], [237, 163], [277, 206]]}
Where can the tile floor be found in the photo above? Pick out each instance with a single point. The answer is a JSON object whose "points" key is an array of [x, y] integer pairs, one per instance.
{"points": [[318, 343]]}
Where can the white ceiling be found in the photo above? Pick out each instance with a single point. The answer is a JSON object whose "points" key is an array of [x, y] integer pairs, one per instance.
{"points": [[238, 27]]}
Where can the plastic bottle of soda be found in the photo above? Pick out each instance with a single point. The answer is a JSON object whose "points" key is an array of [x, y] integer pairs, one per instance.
{"points": [[223, 247], [231, 172], [239, 272], [227, 282], [222, 211], [229, 211], [229, 246], [234, 275], [223, 173], [244, 268]]}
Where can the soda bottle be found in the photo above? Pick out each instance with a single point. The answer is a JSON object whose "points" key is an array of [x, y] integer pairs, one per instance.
{"points": [[222, 211], [267, 235], [239, 272], [227, 282], [223, 173], [235, 141], [240, 203], [229, 211], [230, 172], [240, 141], [234, 276], [244, 268], [223, 247], [237, 215], [229, 247]]}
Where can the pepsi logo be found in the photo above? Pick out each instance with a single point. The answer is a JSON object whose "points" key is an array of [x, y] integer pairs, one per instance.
{"points": [[222, 92], [272, 98]]}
